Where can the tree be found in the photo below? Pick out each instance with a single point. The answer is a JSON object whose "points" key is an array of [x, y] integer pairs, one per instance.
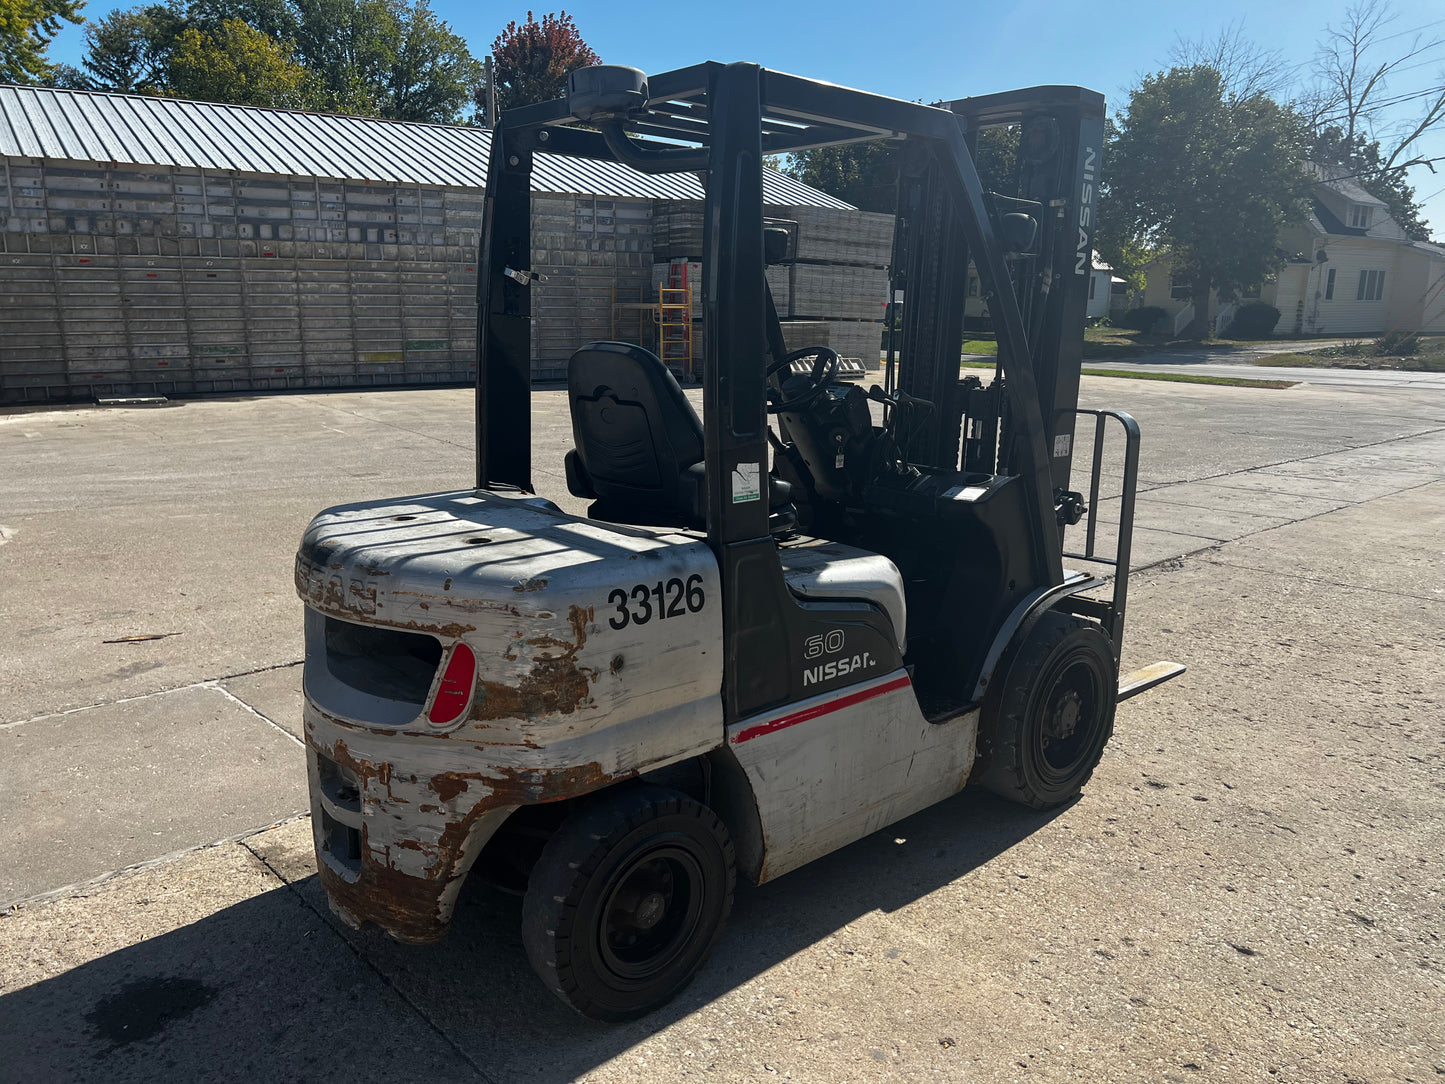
{"points": [[1244, 68], [431, 73], [66, 77], [240, 65], [130, 51], [275, 18], [863, 174], [531, 60], [347, 43], [26, 30], [1114, 243], [1352, 90], [1363, 161], [1213, 178], [1358, 123]]}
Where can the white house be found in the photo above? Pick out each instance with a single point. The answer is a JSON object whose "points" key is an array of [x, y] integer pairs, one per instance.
{"points": [[1351, 271], [1106, 290]]}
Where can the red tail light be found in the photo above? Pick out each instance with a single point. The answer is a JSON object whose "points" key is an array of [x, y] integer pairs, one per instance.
{"points": [[455, 690]]}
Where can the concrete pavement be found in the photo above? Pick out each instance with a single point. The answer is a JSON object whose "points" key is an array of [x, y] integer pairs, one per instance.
{"points": [[1247, 889]]}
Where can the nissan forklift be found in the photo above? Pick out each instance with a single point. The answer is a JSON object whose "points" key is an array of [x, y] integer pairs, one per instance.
{"points": [[815, 611]]}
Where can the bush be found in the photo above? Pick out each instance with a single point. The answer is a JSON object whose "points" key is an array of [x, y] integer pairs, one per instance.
{"points": [[1145, 319], [1397, 344], [1255, 320]]}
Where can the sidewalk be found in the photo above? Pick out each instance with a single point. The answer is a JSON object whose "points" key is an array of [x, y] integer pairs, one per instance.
{"points": [[1245, 889]]}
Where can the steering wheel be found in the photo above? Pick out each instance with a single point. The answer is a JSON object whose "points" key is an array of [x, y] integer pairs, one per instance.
{"points": [[825, 368]]}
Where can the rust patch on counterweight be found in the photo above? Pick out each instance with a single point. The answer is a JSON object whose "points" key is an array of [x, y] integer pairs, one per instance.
{"points": [[557, 685], [448, 785]]}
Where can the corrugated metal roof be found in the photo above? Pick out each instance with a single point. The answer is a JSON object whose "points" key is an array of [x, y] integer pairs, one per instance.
{"points": [[89, 126]]}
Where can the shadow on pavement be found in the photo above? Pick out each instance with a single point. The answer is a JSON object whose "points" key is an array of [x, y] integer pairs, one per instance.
{"points": [[263, 990]]}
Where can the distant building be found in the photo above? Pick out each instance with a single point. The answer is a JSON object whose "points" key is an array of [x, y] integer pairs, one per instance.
{"points": [[1351, 271], [158, 246]]}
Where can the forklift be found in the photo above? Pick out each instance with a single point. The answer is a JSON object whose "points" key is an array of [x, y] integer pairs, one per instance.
{"points": [[803, 618]]}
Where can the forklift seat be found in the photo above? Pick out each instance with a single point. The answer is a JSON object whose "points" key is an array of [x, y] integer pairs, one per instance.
{"points": [[639, 443]]}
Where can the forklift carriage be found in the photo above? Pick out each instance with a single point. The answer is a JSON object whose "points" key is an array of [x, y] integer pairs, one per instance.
{"points": [[763, 642]]}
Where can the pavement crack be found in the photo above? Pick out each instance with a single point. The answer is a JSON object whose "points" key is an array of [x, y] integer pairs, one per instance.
{"points": [[1323, 582], [1299, 459], [83, 888], [204, 683], [260, 715], [366, 962]]}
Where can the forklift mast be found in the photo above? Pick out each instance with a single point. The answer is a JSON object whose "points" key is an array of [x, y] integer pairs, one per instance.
{"points": [[1031, 251], [1059, 132]]}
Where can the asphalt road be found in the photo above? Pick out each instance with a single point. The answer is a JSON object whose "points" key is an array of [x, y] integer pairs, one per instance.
{"points": [[1250, 888]]}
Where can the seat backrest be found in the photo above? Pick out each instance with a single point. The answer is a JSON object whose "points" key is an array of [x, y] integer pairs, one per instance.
{"points": [[635, 432]]}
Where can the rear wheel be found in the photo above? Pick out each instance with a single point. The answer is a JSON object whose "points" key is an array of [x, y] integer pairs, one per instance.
{"points": [[1055, 715], [627, 901]]}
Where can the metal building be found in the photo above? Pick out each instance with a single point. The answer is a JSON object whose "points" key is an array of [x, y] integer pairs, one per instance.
{"points": [[159, 246]]}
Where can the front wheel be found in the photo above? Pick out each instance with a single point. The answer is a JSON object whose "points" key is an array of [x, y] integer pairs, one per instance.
{"points": [[1046, 735], [627, 901]]}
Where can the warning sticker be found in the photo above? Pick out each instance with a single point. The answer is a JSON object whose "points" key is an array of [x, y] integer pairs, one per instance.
{"points": [[964, 493], [747, 482], [1063, 444]]}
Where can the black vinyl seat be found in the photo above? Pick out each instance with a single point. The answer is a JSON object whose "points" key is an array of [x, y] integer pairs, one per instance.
{"points": [[639, 443]]}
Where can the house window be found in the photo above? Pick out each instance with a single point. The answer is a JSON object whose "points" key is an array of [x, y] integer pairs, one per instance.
{"points": [[1372, 286], [1359, 217], [1092, 281], [1180, 288], [972, 286], [1330, 285]]}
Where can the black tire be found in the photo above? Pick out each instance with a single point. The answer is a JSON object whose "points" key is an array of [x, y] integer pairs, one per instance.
{"points": [[1048, 730], [627, 901]]}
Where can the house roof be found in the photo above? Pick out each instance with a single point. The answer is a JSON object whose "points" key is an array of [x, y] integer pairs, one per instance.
{"points": [[1323, 220], [91, 126], [1340, 180]]}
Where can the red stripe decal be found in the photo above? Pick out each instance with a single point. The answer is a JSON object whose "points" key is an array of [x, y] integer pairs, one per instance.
{"points": [[817, 710]]}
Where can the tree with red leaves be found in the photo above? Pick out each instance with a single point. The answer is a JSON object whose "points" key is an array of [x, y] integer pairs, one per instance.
{"points": [[531, 60]]}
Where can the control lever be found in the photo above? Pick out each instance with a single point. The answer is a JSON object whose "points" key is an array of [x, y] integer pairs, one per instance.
{"points": [[898, 398]]}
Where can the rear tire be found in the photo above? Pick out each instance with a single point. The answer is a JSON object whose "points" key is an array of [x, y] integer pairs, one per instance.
{"points": [[1055, 715], [627, 900]]}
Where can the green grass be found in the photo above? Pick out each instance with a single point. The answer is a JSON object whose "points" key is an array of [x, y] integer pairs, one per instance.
{"points": [[1108, 342], [1125, 343], [1192, 378], [1178, 378], [1428, 358]]}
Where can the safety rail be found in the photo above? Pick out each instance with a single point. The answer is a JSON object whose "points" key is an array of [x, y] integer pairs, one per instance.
{"points": [[1110, 614]]}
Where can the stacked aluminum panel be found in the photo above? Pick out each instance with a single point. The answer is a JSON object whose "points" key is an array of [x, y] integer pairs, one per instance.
{"points": [[593, 250], [834, 282], [158, 280]]}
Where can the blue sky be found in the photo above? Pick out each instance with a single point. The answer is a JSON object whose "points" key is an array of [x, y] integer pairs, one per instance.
{"points": [[939, 50]]}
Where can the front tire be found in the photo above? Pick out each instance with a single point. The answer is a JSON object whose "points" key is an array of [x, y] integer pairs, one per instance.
{"points": [[1048, 731], [627, 900]]}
